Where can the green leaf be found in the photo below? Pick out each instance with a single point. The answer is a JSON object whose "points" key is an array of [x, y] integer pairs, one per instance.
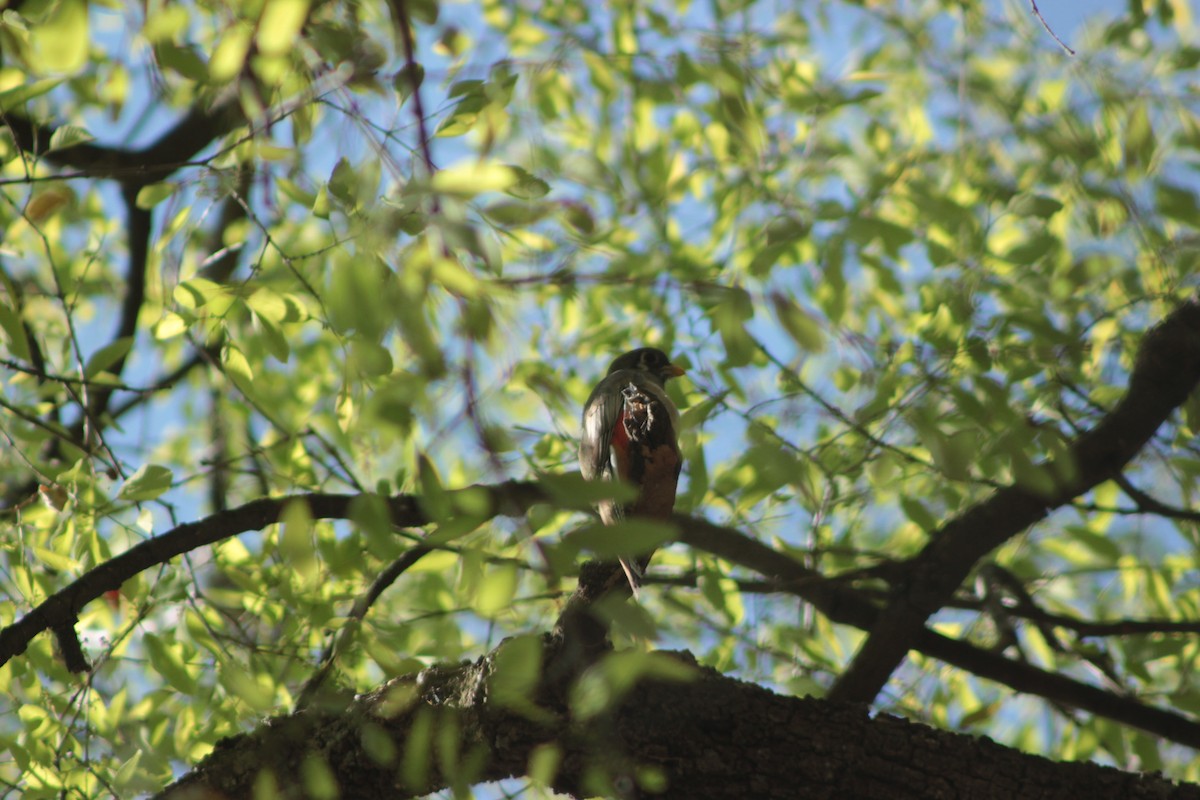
{"points": [[408, 80], [14, 332], [1035, 205], [317, 777], [68, 136], [1101, 545], [167, 658], [786, 230], [803, 329], [229, 56], [47, 202], [865, 230], [1035, 247], [1178, 203], [579, 217], [182, 59], [423, 11], [435, 501], [296, 541], [512, 213], [60, 41], [343, 182], [237, 368], [276, 342], [106, 356], [629, 538], [150, 196], [570, 490], [515, 675], [1139, 141], [765, 258], [527, 186], [916, 511], [370, 358], [730, 315], [470, 179], [16, 97], [148, 482], [126, 777], [255, 691], [603, 686], [279, 25], [55, 561], [496, 591]]}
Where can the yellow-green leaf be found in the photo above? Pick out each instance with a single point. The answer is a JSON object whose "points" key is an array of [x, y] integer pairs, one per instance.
{"points": [[148, 482], [279, 25], [470, 179], [150, 196], [60, 42]]}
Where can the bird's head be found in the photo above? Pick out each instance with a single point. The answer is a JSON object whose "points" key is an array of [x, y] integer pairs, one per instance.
{"points": [[647, 359]]}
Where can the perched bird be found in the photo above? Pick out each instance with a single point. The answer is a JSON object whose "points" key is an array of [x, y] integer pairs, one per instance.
{"points": [[630, 433]]}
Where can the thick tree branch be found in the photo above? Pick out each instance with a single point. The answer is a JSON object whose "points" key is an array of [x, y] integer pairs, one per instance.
{"points": [[837, 599], [704, 735], [175, 148], [1167, 369]]}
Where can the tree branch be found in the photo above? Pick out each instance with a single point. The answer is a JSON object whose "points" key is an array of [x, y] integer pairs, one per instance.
{"points": [[847, 605], [1167, 369], [702, 734], [835, 598], [62, 608], [195, 131], [137, 228]]}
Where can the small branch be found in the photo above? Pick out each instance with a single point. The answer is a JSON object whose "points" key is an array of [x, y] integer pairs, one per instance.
{"points": [[1150, 505], [404, 24], [38, 371], [1059, 688], [846, 605], [1166, 370], [138, 230], [1037, 13], [357, 614], [202, 356], [1083, 628]]}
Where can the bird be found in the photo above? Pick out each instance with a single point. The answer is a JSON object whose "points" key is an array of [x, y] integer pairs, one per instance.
{"points": [[631, 433]]}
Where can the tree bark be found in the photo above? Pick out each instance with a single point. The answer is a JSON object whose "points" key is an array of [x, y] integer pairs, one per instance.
{"points": [[703, 737]]}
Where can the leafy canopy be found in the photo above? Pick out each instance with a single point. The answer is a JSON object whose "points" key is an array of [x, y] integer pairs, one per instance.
{"points": [[907, 253]]}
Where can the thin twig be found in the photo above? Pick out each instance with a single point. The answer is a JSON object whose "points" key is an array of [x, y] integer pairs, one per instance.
{"points": [[1046, 25]]}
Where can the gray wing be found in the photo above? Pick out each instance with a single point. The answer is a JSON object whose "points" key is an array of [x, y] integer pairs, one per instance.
{"points": [[600, 416]]}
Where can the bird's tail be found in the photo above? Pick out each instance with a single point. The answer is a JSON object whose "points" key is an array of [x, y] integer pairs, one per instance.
{"points": [[633, 572]]}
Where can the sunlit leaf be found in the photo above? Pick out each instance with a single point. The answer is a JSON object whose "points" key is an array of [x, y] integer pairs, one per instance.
{"points": [[60, 40], [471, 179], [150, 196], [148, 482], [279, 24]]}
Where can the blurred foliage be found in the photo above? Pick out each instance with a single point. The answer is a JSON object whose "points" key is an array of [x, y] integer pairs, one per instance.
{"points": [[905, 250]]}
